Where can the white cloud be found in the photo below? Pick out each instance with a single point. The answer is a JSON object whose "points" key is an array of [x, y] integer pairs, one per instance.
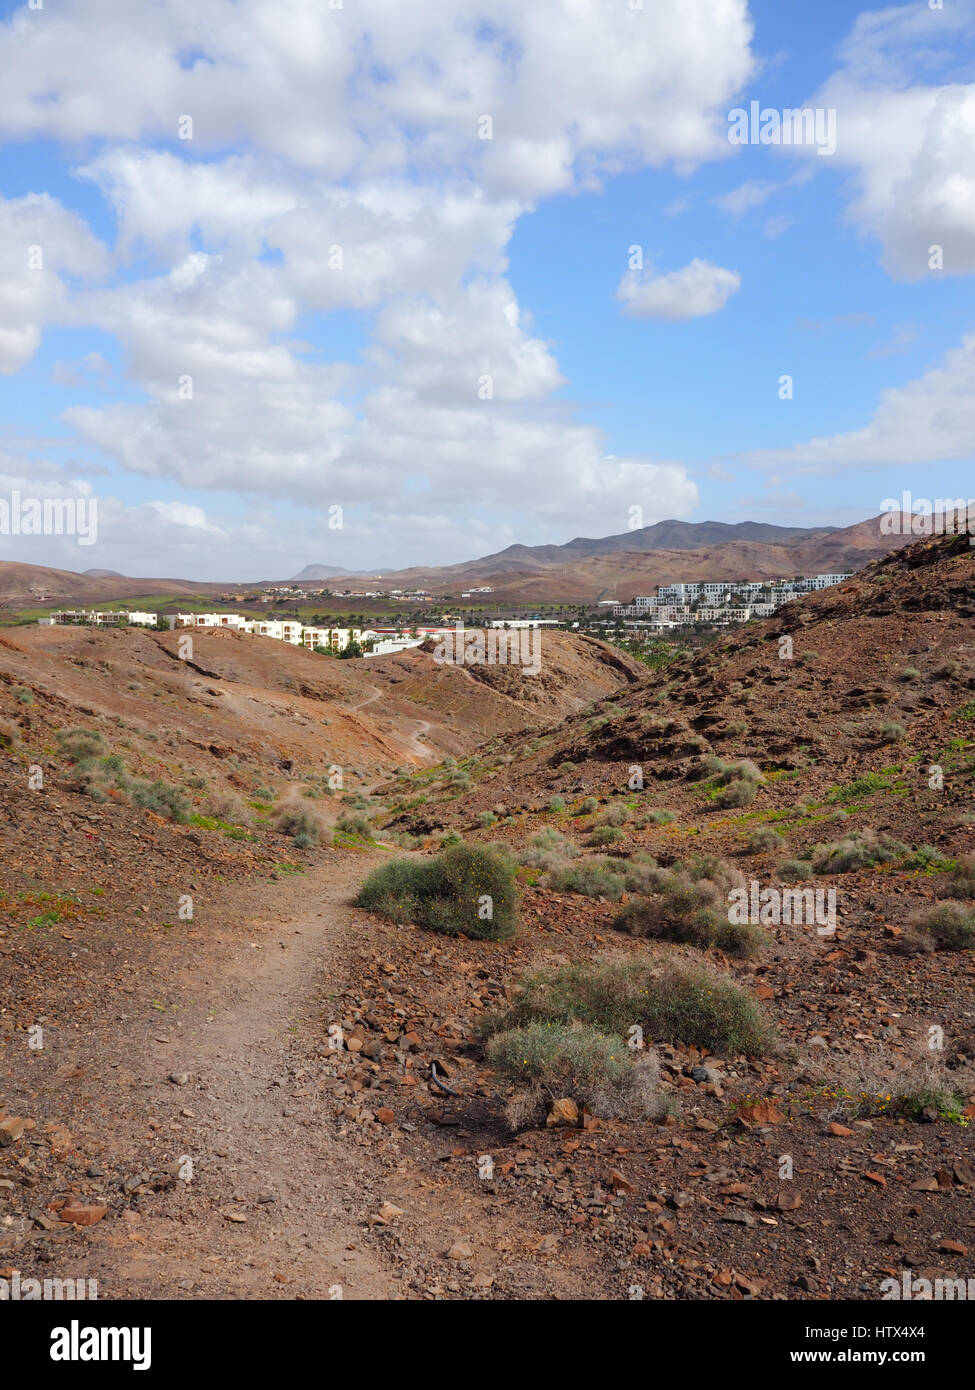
{"points": [[927, 421], [42, 248], [382, 86], [355, 130], [699, 288], [908, 144]]}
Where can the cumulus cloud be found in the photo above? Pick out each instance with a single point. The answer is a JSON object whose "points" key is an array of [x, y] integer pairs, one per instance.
{"points": [[929, 420], [907, 142], [43, 249], [374, 159], [381, 86], [698, 289]]}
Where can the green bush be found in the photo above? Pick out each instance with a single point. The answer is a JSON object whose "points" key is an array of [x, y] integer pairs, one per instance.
{"points": [[740, 791], [587, 806], [598, 1070], [891, 733], [723, 773], [589, 879], [300, 822], [658, 817], [606, 835], [961, 883], [557, 804], [356, 826], [950, 925], [486, 818], [681, 1003], [694, 913], [549, 849], [452, 893], [77, 744], [793, 869], [763, 838], [640, 872], [163, 799], [230, 809], [860, 849]]}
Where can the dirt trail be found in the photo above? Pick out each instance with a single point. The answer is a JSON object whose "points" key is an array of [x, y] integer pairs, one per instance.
{"points": [[257, 1127]]}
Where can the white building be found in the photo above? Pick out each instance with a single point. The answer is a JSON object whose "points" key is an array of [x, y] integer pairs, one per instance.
{"points": [[387, 646]]}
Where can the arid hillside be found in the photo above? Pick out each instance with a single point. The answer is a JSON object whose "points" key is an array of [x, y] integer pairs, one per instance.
{"points": [[195, 754], [614, 1083]]}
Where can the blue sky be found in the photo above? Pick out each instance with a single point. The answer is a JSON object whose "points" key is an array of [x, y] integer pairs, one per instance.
{"points": [[464, 261]]}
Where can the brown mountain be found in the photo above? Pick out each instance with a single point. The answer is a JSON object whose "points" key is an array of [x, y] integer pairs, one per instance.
{"points": [[621, 566], [583, 569]]}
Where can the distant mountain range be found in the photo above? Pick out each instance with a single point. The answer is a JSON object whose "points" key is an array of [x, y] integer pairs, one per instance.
{"points": [[634, 562], [584, 569], [663, 535], [313, 572]]}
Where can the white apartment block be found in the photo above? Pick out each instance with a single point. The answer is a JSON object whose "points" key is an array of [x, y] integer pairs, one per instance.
{"points": [[721, 601], [289, 630]]}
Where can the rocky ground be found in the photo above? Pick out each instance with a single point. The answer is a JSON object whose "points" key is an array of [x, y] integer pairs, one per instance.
{"points": [[285, 1096]]}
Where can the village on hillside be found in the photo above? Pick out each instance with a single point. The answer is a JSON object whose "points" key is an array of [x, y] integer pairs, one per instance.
{"points": [[680, 605]]}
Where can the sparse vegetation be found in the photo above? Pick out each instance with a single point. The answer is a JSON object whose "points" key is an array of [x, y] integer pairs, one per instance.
{"points": [[763, 839], [859, 849], [552, 1061], [468, 889], [549, 850], [690, 910], [230, 808], [357, 827], [589, 879], [948, 925], [302, 823], [794, 869], [961, 883], [681, 1003], [164, 799], [740, 791], [605, 835], [891, 732], [78, 744]]}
